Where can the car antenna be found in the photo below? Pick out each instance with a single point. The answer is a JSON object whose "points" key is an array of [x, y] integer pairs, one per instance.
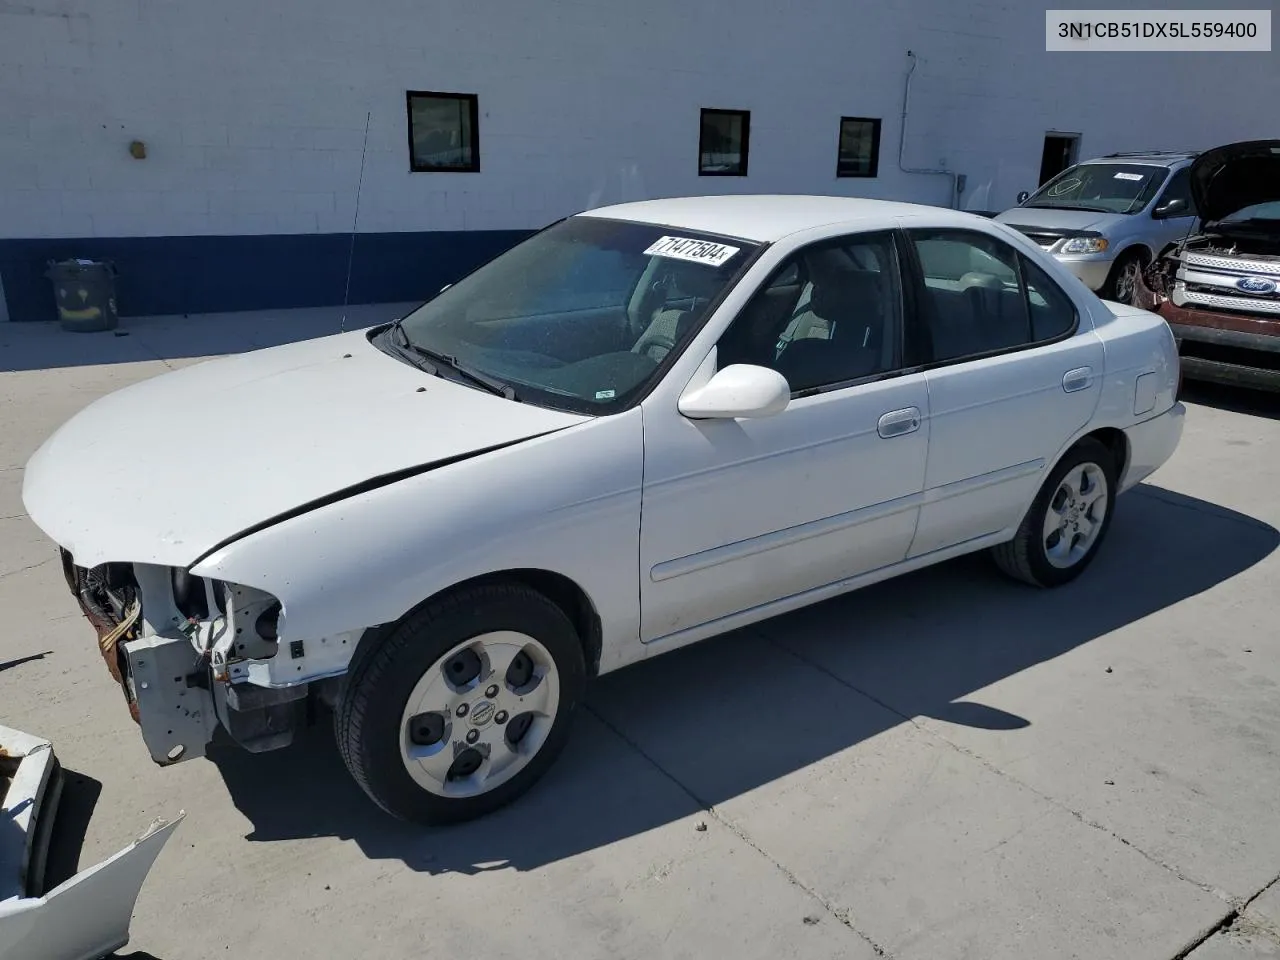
{"points": [[355, 221]]}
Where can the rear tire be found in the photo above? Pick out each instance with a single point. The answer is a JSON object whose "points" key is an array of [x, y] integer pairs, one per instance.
{"points": [[460, 707], [1067, 521]]}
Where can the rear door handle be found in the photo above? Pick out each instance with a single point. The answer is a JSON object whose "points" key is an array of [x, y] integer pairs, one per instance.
{"points": [[898, 422], [1078, 379]]}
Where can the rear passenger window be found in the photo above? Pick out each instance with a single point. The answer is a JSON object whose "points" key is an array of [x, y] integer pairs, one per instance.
{"points": [[973, 302], [981, 296], [1052, 312]]}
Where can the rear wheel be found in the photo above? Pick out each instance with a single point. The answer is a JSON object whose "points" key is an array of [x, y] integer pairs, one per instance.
{"points": [[463, 705], [1067, 522]]}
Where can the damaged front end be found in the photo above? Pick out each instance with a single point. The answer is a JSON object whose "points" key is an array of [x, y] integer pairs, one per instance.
{"points": [[1219, 290], [192, 655], [1220, 295]]}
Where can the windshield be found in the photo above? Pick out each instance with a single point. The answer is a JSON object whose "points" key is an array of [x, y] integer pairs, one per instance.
{"points": [[1101, 187], [1258, 211], [581, 315]]}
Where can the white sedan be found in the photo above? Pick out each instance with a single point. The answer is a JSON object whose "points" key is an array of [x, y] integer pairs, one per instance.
{"points": [[641, 427]]}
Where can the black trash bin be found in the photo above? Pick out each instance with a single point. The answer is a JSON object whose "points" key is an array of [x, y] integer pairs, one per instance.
{"points": [[84, 292]]}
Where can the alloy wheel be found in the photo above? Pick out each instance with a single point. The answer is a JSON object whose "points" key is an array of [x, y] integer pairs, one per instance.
{"points": [[479, 714]]}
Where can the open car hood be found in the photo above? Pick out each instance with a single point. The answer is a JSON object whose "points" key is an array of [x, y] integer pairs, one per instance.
{"points": [[168, 469], [1237, 175]]}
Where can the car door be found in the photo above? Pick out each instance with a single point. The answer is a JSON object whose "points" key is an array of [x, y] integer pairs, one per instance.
{"points": [[738, 513], [1011, 377]]}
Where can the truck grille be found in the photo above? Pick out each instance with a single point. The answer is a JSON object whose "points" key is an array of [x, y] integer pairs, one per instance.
{"points": [[1196, 295], [1235, 266], [1044, 240]]}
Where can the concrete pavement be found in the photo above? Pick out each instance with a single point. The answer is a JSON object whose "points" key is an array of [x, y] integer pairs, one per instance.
{"points": [[944, 766]]}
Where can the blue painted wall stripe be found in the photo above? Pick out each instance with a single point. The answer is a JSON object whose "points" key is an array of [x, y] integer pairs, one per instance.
{"points": [[175, 275]]}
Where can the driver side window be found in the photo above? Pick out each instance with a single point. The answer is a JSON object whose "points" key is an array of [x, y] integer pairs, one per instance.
{"points": [[830, 315], [1179, 188]]}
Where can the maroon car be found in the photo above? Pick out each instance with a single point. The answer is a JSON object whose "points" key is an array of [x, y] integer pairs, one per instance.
{"points": [[1219, 289]]}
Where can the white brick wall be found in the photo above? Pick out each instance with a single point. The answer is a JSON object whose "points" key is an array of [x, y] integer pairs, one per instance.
{"points": [[253, 113]]}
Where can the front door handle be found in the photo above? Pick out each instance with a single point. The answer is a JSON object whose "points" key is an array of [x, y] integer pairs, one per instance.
{"points": [[1078, 379], [898, 422]]}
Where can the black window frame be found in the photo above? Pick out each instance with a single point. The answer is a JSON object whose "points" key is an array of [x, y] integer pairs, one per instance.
{"points": [[908, 305], [745, 151], [473, 103], [921, 344], [874, 172]]}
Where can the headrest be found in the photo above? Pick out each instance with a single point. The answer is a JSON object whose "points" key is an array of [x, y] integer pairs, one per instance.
{"points": [[986, 281], [848, 295], [698, 281]]}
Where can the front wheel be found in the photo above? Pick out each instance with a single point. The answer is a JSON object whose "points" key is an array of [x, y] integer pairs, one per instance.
{"points": [[462, 705], [1067, 522], [1126, 276]]}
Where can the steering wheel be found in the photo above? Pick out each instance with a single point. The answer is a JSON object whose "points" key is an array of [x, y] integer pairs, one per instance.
{"points": [[649, 342]]}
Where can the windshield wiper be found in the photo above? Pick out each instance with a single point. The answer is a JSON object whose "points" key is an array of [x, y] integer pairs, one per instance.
{"points": [[405, 347], [1067, 206], [483, 380]]}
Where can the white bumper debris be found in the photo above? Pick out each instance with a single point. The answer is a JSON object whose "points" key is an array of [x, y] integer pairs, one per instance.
{"points": [[86, 917]]}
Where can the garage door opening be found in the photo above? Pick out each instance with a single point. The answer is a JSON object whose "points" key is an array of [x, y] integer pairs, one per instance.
{"points": [[1060, 152]]}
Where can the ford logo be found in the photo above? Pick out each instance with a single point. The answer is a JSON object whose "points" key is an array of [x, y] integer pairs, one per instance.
{"points": [[1256, 285]]}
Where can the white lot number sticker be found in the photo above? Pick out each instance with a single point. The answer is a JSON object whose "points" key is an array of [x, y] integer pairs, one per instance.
{"points": [[695, 251], [1128, 176]]}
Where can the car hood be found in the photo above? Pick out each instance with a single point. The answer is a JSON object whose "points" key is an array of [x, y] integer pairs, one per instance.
{"points": [[1237, 175], [1060, 222], [170, 468]]}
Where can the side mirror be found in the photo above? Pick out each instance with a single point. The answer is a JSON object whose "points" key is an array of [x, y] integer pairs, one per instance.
{"points": [[1023, 197], [738, 391], [1177, 207]]}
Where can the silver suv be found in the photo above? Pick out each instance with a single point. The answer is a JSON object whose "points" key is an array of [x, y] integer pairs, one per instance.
{"points": [[1106, 219]]}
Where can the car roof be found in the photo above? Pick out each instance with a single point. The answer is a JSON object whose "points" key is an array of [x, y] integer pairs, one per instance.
{"points": [[766, 218], [1161, 158]]}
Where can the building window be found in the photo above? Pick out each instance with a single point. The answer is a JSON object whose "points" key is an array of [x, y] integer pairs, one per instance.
{"points": [[444, 132], [859, 147], [723, 142]]}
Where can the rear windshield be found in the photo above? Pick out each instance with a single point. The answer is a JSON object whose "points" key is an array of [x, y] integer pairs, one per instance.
{"points": [[1259, 211]]}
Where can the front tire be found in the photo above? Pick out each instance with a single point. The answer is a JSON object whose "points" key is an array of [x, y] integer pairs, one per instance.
{"points": [[1067, 521], [1126, 274], [461, 707]]}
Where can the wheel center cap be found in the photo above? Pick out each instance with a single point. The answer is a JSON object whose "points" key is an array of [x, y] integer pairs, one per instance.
{"points": [[482, 713]]}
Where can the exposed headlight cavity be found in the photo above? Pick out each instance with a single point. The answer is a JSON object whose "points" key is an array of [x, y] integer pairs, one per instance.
{"points": [[268, 623], [189, 594]]}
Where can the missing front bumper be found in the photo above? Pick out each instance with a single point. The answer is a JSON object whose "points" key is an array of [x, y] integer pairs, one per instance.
{"points": [[169, 690], [165, 682], [183, 652]]}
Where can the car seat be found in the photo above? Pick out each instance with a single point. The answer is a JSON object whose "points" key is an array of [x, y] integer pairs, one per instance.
{"points": [[853, 304]]}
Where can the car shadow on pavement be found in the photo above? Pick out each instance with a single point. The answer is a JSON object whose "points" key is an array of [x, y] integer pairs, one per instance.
{"points": [[669, 737], [1254, 403]]}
